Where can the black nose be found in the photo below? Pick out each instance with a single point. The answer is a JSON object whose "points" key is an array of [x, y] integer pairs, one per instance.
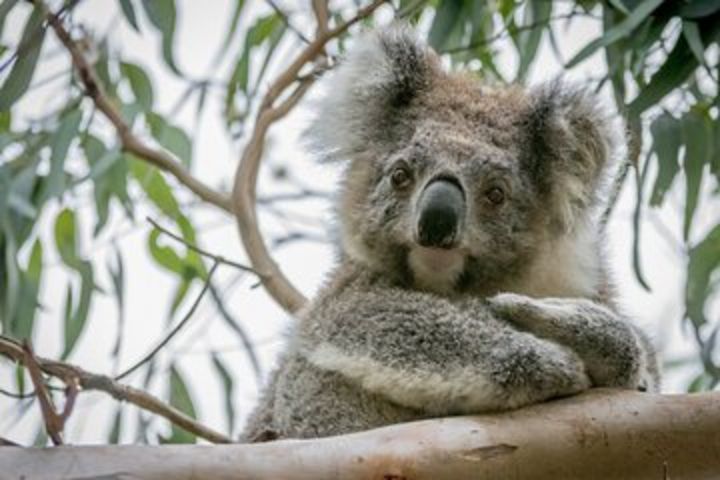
{"points": [[441, 209]]}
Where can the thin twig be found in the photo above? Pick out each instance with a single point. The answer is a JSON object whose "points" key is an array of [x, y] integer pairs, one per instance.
{"points": [[510, 30], [286, 20], [130, 142], [54, 423], [172, 332], [205, 253], [92, 381]]}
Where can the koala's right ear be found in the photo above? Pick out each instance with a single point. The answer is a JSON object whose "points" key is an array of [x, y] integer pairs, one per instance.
{"points": [[382, 74]]}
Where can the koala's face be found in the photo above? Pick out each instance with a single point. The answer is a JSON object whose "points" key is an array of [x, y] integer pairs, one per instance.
{"points": [[453, 186]]}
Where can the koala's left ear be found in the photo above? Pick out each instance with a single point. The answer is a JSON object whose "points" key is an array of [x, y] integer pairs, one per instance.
{"points": [[382, 74], [574, 142]]}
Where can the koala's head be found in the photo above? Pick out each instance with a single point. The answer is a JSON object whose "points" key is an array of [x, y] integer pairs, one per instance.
{"points": [[452, 185]]}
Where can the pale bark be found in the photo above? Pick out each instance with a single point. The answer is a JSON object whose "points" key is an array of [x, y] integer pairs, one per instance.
{"points": [[599, 435]]}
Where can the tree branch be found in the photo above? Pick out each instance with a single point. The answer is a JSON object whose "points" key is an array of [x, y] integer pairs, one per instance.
{"points": [[277, 285], [130, 142], [602, 434], [92, 381]]}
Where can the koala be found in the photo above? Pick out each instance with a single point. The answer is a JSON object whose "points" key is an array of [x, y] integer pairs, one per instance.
{"points": [[470, 276]]}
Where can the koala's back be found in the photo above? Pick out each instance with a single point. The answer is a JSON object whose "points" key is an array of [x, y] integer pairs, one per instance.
{"points": [[303, 401]]}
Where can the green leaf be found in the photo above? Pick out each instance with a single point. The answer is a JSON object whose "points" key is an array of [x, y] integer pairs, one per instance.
{"points": [[61, 141], [180, 398], [447, 18], [67, 246], [117, 275], [129, 12], [536, 13], [164, 255], [234, 20], [156, 188], [699, 384], [116, 429], [704, 260], [18, 80], [162, 14], [699, 8], [691, 32], [5, 121], [139, 83], [621, 30], [697, 130], [228, 388], [172, 138], [667, 139], [678, 66], [22, 326], [259, 32], [5, 7]]}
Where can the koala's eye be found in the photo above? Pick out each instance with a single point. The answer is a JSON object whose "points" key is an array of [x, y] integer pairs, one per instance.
{"points": [[495, 195], [400, 177]]}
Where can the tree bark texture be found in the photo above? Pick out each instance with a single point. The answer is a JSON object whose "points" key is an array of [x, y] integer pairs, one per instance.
{"points": [[603, 434]]}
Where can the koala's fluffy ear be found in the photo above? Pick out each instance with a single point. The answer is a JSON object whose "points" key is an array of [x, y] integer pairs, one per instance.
{"points": [[383, 72], [575, 143]]}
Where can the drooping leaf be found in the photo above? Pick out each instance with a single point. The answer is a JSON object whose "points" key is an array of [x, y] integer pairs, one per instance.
{"points": [[704, 261], [129, 12], [162, 14], [699, 8], [667, 139], [116, 429], [232, 28], [61, 141], [228, 388], [537, 14], [697, 130], [18, 81], [139, 83], [67, 246], [447, 19], [22, 326], [156, 188], [172, 138], [180, 398], [5, 7], [678, 66], [691, 32], [117, 275], [621, 30]]}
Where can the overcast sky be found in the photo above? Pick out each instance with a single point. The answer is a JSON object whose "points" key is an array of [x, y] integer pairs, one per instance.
{"points": [[201, 27]]}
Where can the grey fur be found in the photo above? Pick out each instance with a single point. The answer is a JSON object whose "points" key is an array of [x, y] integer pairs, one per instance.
{"points": [[520, 310]]}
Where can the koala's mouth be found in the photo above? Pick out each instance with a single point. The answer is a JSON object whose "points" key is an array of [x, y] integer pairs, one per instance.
{"points": [[436, 269]]}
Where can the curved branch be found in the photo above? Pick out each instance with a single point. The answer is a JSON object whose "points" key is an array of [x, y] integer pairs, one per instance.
{"points": [[602, 434], [244, 198], [130, 142]]}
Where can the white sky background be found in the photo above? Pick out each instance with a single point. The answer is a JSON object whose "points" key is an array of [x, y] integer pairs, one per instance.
{"points": [[201, 28]]}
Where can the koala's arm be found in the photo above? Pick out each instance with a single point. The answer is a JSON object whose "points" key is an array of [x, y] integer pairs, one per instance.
{"points": [[425, 352], [615, 353]]}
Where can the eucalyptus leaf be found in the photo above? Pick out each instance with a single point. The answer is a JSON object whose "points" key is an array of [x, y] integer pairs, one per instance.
{"points": [[621, 30], [60, 144], [162, 14], [667, 139], [447, 19], [697, 130], [704, 261], [228, 388], [18, 81], [22, 324], [139, 83], [129, 13], [537, 14], [180, 398]]}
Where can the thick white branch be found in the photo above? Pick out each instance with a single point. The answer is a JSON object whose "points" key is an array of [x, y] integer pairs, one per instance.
{"points": [[603, 434]]}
